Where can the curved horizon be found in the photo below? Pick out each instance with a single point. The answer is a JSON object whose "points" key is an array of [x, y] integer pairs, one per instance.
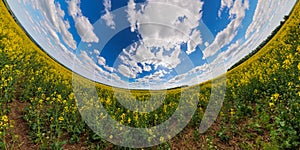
{"points": [[159, 54]]}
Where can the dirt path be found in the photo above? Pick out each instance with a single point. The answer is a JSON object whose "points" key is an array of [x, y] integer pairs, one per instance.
{"points": [[21, 128]]}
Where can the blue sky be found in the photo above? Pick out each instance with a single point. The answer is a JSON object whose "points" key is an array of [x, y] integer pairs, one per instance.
{"points": [[149, 44]]}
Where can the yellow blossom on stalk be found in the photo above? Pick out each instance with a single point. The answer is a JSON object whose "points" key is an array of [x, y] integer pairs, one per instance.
{"points": [[61, 118], [271, 105], [59, 96], [43, 96], [129, 120], [136, 117], [232, 112], [66, 108], [299, 93], [123, 116], [4, 118], [39, 89], [256, 91], [275, 96], [299, 66], [161, 139], [221, 114], [108, 101], [71, 96], [40, 101], [165, 108]]}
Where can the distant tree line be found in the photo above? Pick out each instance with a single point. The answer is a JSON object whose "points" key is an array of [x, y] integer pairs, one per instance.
{"points": [[261, 45]]}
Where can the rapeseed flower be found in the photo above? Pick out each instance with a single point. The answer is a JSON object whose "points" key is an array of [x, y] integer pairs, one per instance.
{"points": [[4, 118], [271, 104]]}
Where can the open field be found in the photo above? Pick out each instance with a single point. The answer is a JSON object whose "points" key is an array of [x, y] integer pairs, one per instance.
{"points": [[38, 107]]}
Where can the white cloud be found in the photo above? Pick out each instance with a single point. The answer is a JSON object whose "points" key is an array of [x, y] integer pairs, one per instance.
{"points": [[178, 24], [195, 40], [101, 61], [97, 52], [225, 37], [132, 15], [126, 71], [258, 30], [54, 17], [138, 54], [263, 16], [225, 4], [108, 17], [110, 69], [153, 78], [82, 23]]}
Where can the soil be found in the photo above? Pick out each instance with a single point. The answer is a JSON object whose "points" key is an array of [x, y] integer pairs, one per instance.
{"points": [[21, 128]]}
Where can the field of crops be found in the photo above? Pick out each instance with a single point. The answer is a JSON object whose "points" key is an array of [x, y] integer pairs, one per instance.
{"points": [[38, 107]]}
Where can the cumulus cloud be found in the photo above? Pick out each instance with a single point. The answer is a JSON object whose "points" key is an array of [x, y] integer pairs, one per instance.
{"points": [[101, 61], [178, 24], [54, 20], [97, 52], [108, 17], [126, 71], [138, 54], [225, 37], [225, 4], [84, 28], [131, 15]]}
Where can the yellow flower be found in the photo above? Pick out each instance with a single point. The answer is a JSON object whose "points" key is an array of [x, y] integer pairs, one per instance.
{"points": [[232, 112], [40, 101], [162, 139], [61, 118], [111, 136], [123, 116], [271, 105], [39, 89], [275, 96], [221, 114], [299, 66], [299, 93], [136, 117], [255, 91], [71, 96], [129, 120], [4, 118], [108, 101]]}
